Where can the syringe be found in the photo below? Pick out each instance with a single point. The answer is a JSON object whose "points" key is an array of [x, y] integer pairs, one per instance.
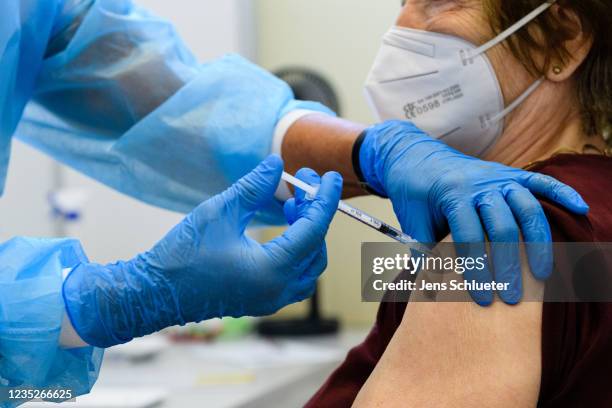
{"points": [[355, 213]]}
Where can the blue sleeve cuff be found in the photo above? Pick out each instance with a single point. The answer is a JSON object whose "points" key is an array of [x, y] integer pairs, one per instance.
{"points": [[33, 309], [367, 163]]}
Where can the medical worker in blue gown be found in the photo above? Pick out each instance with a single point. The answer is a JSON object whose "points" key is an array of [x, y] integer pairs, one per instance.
{"points": [[110, 90]]}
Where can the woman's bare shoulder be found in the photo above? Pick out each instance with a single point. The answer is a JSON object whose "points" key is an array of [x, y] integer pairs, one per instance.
{"points": [[460, 354]]}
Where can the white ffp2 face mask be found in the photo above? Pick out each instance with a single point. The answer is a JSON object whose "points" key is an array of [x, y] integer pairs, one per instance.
{"points": [[444, 85]]}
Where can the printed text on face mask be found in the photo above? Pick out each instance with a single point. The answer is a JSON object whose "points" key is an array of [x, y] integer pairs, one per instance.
{"points": [[432, 102]]}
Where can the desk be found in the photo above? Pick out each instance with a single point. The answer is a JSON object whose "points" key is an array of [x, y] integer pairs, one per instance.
{"points": [[189, 374]]}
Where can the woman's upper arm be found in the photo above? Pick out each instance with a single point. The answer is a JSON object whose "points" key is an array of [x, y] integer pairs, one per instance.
{"points": [[461, 355]]}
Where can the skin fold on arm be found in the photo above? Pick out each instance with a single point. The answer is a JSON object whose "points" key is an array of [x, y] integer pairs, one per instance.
{"points": [[449, 354]]}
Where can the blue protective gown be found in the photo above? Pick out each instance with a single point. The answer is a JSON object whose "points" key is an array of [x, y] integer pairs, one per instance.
{"points": [[110, 90]]}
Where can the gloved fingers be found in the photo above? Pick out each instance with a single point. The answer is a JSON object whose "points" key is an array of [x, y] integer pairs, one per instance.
{"points": [[310, 177], [422, 231], [535, 228], [415, 219], [303, 264], [295, 207], [307, 233], [320, 210], [317, 265], [257, 188], [238, 204], [307, 284], [291, 211], [503, 234], [464, 222], [557, 192], [470, 239], [305, 292]]}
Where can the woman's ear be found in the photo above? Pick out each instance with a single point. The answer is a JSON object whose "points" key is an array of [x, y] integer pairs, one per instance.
{"points": [[578, 44]]}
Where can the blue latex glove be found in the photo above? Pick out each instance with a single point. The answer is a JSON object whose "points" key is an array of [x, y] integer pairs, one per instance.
{"points": [[433, 187], [207, 267], [296, 207]]}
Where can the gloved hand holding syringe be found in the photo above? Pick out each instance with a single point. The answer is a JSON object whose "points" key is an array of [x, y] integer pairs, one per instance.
{"points": [[355, 213]]}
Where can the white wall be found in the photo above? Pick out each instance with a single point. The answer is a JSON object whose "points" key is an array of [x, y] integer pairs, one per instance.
{"points": [[338, 38], [211, 27], [23, 207]]}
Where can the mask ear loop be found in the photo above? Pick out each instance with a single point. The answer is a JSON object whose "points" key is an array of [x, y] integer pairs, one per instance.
{"points": [[513, 28], [518, 101], [503, 37]]}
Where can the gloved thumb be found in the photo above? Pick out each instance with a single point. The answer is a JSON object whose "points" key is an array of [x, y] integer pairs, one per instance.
{"points": [[237, 205], [257, 188], [307, 234], [295, 207]]}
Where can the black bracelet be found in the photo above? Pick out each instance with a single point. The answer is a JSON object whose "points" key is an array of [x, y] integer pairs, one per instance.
{"points": [[357, 165], [355, 157]]}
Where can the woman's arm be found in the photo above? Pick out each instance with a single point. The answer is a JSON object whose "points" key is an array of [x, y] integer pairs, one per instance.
{"points": [[323, 143], [461, 355]]}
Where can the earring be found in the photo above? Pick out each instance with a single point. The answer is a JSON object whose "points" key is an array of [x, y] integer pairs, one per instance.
{"points": [[557, 70]]}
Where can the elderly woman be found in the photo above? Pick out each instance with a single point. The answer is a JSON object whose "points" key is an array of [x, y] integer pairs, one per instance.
{"points": [[555, 75]]}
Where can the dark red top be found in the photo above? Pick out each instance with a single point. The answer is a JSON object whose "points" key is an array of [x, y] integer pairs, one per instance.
{"points": [[576, 337]]}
